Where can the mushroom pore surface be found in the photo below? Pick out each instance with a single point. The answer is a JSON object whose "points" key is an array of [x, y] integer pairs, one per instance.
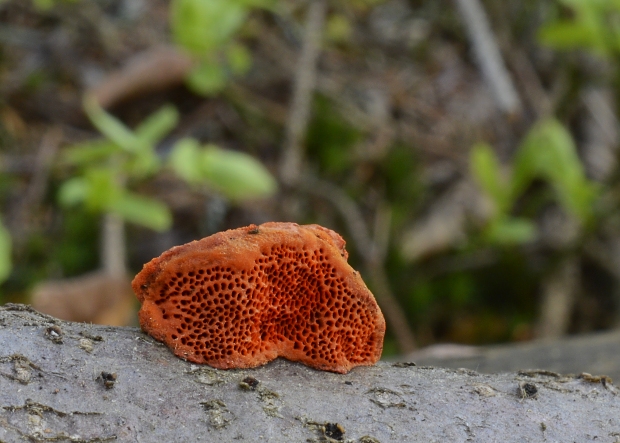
{"points": [[241, 298]]}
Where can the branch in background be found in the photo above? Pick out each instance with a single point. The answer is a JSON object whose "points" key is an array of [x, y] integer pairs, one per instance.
{"points": [[38, 184], [606, 254], [445, 224], [348, 210], [304, 85], [381, 230], [373, 263], [600, 132], [93, 15], [594, 353], [558, 299], [113, 247], [535, 95], [489, 56], [291, 174], [152, 70]]}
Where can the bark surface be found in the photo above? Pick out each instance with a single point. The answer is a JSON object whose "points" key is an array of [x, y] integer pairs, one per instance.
{"points": [[62, 381]]}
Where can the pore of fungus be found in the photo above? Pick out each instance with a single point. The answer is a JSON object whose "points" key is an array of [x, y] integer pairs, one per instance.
{"points": [[243, 297]]}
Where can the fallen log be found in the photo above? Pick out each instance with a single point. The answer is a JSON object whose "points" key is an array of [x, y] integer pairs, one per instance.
{"points": [[595, 353], [62, 381]]}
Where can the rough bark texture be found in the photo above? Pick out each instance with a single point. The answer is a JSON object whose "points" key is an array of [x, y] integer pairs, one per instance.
{"points": [[63, 381]]}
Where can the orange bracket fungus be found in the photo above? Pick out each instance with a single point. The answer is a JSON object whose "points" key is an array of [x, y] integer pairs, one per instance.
{"points": [[241, 298]]}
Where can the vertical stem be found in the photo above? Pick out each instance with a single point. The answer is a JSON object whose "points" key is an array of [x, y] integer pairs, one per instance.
{"points": [[113, 249], [393, 311], [113, 246], [22, 221], [558, 299], [304, 84]]}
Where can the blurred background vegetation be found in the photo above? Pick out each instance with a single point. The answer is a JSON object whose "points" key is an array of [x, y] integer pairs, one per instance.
{"points": [[467, 151]]}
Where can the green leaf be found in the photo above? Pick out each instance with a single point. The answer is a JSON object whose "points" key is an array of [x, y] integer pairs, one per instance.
{"points": [[207, 78], [264, 4], [111, 127], [5, 253], [203, 26], [486, 170], [94, 151], [43, 5], [239, 59], [510, 231], [144, 164], [142, 211], [236, 175], [185, 160], [157, 125], [548, 152], [566, 35], [590, 27], [73, 191], [592, 5], [103, 189]]}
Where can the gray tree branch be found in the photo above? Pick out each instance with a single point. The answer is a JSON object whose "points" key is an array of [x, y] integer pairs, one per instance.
{"points": [[74, 382], [303, 87], [489, 56]]}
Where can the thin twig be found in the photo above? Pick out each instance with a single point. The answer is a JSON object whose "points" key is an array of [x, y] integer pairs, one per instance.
{"points": [[370, 254], [113, 248], [36, 189], [304, 85], [489, 56], [558, 299], [534, 93], [381, 229], [348, 210], [291, 168], [113, 245], [604, 254]]}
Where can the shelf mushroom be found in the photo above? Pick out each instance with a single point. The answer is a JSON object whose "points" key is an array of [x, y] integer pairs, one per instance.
{"points": [[243, 297]]}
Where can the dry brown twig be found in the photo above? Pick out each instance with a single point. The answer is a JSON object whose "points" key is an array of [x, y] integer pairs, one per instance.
{"points": [[152, 70]]}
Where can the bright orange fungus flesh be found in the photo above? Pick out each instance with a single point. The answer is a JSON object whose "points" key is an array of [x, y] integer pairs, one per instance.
{"points": [[241, 298]]}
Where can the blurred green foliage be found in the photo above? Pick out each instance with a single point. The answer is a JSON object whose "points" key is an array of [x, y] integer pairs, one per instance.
{"points": [[44, 5], [548, 153], [445, 292], [207, 29], [235, 175], [330, 139], [404, 189], [5, 253], [593, 25], [76, 246], [107, 168]]}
